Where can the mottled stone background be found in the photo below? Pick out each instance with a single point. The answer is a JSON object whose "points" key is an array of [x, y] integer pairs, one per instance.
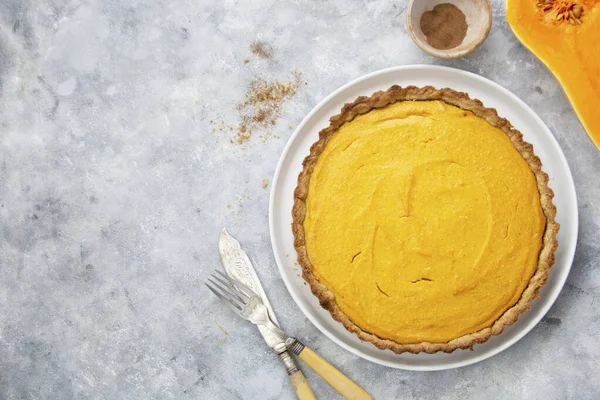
{"points": [[113, 188]]}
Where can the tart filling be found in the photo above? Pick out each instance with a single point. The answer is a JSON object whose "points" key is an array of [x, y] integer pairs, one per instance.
{"points": [[423, 222]]}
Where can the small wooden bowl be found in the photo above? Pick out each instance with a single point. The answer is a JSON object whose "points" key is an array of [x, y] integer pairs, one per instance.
{"points": [[479, 20]]}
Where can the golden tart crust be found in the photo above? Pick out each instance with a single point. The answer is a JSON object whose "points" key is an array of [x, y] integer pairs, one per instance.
{"points": [[363, 105]]}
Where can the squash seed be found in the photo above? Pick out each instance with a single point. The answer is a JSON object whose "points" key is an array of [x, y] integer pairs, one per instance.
{"points": [[570, 13]]}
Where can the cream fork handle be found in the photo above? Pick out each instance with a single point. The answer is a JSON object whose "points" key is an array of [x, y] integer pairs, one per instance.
{"points": [[340, 382], [303, 391]]}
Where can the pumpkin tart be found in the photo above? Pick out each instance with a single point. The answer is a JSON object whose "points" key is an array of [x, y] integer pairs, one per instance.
{"points": [[423, 221]]}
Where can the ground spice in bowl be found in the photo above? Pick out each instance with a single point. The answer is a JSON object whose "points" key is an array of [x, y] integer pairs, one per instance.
{"points": [[445, 26]]}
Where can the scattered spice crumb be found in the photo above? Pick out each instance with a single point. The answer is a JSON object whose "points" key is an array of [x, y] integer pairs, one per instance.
{"points": [[243, 136], [287, 254], [221, 328], [262, 105], [260, 49], [290, 126], [197, 101], [246, 180], [237, 205], [265, 182]]}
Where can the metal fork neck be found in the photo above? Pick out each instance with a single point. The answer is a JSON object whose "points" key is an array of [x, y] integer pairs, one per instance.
{"points": [[294, 345], [287, 360]]}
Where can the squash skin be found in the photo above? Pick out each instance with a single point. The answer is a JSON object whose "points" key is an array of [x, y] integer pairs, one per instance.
{"points": [[571, 52]]}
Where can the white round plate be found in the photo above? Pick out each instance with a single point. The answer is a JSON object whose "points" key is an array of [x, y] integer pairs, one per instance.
{"points": [[508, 106]]}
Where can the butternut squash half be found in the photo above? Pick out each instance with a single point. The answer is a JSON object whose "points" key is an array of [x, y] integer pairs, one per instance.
{"points": [[565, 35]]}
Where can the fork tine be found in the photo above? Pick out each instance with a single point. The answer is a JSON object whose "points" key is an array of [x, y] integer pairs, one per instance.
{"points": [[223, 274], [229, 279], [232, 289], [232, 281], [226, 289], [240, 286], [227, 293], [225, 300]]}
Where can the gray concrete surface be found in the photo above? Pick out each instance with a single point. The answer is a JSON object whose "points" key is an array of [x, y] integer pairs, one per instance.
{"points": [[113, 188]]}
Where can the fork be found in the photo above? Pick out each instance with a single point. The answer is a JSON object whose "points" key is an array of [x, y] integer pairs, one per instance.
{"points": [[243, 301], [248, 305]]}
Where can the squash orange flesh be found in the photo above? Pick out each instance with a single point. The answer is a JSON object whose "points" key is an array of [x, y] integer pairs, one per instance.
{"points": [[571, 52]]}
